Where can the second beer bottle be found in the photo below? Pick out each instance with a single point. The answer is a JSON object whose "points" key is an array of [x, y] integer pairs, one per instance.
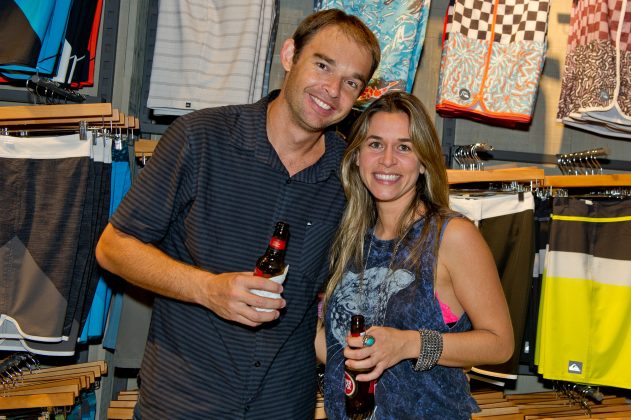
{"points": [[360, 396]]}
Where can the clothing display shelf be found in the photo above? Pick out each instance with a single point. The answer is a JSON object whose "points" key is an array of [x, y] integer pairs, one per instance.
{"points": [[524, 174], [587, 181], [66, 116], [50, 388]]}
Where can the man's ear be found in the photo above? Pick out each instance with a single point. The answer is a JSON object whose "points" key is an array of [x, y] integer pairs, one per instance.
{"points": [[287, 54]]}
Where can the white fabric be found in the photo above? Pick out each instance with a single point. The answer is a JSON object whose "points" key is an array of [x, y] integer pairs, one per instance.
{"points": [[209, 53]]}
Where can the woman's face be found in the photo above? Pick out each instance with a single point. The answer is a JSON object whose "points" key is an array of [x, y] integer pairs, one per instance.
{"points": [[388, 166]]}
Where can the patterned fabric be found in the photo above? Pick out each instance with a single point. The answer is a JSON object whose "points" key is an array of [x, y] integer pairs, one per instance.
{"points": [[400, 27], [493, 54], [585, 309], [596, 85], [405, 300]]}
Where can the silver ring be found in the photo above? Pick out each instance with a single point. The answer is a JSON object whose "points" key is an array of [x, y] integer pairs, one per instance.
{"points": [[368, 340]]}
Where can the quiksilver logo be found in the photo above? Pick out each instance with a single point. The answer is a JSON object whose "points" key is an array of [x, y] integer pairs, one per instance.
{"points": [[575, 367]]}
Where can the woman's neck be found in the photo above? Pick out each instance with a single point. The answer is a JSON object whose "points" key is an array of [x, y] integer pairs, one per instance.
{"points": [[387, 226]]}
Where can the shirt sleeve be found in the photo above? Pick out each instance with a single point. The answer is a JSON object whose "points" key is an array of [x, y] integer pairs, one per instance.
{"points": [[162, 191]]}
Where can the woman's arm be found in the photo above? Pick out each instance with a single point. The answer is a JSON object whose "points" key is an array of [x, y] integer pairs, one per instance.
{"points": [[467, 281], [465, 262], [320, 343]]}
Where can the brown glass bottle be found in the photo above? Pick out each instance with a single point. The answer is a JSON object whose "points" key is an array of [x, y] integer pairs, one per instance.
{"points": [[360, 396], [272, 262]]}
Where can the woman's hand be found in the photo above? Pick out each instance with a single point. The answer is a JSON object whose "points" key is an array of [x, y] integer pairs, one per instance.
{"points": [[390, 347]]}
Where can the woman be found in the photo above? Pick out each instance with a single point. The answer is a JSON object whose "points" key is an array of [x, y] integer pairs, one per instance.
{"points": [[421, 275]]}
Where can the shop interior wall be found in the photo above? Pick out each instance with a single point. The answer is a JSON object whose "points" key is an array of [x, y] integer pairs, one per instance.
{"points": [[545, 136]]}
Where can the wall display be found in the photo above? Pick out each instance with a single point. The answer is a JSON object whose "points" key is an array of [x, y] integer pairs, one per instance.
{"points": [[596, 85], [209, 54], [493, 55], [400, 27]]}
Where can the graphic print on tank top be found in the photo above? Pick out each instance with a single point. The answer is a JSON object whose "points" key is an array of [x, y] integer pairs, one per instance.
{"points": [[378, 287]]}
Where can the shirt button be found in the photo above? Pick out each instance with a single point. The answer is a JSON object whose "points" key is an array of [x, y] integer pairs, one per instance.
{"points": [[288, 181], [257, 364], [247, 408]]}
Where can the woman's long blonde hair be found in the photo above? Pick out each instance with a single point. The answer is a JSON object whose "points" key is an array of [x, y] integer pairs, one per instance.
{"points": [[432, 188]]}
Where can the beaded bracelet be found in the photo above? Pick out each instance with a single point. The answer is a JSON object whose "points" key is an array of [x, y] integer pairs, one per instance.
{"points": [[431, 350]]}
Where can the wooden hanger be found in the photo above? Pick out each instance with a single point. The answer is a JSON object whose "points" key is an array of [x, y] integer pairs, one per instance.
{"points": [[524, 174], [34, 113], [577, 181], [50, 387]]}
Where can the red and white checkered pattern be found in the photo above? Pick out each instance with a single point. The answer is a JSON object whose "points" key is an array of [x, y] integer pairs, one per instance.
{"points": [[599, 20], [515, 20]]}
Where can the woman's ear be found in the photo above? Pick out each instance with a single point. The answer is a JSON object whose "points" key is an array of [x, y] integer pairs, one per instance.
{"points": [[422, 170]]}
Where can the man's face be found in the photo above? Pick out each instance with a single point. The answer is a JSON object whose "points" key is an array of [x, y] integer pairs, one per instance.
{"points": [[322, 85]]}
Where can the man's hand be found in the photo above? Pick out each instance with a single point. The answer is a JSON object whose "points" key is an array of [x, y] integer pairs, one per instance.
{"points": [[229, 296]]}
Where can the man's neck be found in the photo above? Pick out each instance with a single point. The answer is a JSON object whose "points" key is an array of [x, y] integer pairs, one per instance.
{"points": [[297, 148]]}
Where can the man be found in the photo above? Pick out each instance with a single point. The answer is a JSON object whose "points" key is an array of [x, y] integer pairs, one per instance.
{"points": [[203, 210]]}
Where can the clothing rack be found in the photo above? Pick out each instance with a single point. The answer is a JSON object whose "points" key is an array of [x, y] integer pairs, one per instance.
{"points": [[525, 174], [26, 117], [51, 388]]}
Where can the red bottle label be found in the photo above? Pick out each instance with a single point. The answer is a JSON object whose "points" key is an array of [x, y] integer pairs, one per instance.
{"points": [[350, 386], [259, 273], [277, 243]]}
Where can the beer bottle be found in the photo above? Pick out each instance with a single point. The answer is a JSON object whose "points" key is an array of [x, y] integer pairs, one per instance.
{"points": [[272, 262], [360, 396]]}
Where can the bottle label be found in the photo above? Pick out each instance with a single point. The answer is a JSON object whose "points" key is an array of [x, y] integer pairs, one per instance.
{"points": [[350, 385], [277, 243]]}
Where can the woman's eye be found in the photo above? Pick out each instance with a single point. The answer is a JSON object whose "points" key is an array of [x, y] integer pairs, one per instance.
{"points": [[404, 148], [374, 145]]}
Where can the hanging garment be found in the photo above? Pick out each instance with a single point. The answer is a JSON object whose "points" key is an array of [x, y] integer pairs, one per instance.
{"points": [[210, 54], [493, 55], [94, 326], [506, 223], [48, 20], [79, 47], [53, 197], [400, 27], [585, 311], [596, 85]]}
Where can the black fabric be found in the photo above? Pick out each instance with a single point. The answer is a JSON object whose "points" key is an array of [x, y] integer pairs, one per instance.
{"points": [[210, 196], [14, 25]]}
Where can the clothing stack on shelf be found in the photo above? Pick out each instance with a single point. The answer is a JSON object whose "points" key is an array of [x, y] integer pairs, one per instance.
{"points": [[596, 88], [56, 200], [493, 55], [400, 27], [571, 317], [585, 306]]}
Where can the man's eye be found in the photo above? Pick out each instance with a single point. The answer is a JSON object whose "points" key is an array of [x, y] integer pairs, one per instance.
{"points": [[323, 66], [353, 84]]}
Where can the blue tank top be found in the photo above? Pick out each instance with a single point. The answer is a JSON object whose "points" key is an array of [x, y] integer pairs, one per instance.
{"points": [[405, 300]]}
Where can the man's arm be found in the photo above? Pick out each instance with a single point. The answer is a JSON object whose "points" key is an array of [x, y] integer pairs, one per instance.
{"points": [[227, 295]]}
